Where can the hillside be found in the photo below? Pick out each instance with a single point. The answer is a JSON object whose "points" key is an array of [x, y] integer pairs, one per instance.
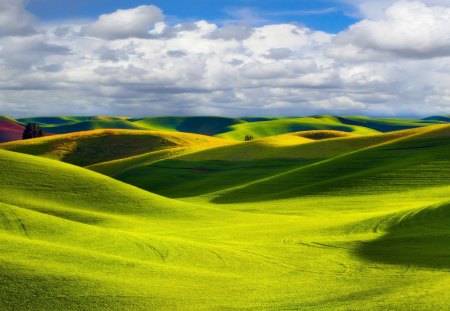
{"points": [[313, 237], [216, 168], [199, 125], [318, 220], [91, 147], [389, 124], [10, 129], [414, 161], [229, 128], [288, 125]]}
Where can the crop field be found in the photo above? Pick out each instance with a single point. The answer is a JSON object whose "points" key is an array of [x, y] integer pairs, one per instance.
{"points": [[180, 213]]}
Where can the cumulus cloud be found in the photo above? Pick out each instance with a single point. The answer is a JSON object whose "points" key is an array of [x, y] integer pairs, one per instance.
{"points": [[279, 53], [123, 24], [14, 19], [232, 32], [409, 29], [132, 62]]}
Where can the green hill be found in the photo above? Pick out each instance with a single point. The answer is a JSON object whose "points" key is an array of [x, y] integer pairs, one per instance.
{"points": [[288, 125], [315, 220], [56, 121], [389, 124], [415, 161], [199, 125], [215, 169], [91, 147]]}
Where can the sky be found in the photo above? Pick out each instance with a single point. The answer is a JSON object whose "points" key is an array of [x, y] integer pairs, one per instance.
{"points": [[230, 58]]}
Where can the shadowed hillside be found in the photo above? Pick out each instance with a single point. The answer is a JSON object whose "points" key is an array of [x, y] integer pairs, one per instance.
{"points": [[289, 125], [10, 129], [87, 148], [319, 220], [415, 161], [199, 125], [217, 168], [390, 124]]}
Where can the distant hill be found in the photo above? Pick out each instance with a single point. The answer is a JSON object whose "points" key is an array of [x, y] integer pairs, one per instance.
{"points": [[279, 126], [199, 125], [228, 128], [10, 129]]}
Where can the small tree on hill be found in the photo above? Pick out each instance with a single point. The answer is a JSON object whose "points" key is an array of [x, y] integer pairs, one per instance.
{"points": [[32, 130], [248, 138]]}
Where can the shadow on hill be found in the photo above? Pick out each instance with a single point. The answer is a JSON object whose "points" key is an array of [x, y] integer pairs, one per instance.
{"points": [[178, 179], [207, 125], [420, 238], [387, 125], [396, 167], [107, 146]]}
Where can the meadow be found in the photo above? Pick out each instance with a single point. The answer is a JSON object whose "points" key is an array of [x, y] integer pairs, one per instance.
{"points": [[180, 213]]}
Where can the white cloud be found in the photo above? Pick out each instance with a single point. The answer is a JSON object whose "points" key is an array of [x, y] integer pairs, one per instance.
{"points": [[407, 29], [14, 19], [133, 63], [123, 24]]}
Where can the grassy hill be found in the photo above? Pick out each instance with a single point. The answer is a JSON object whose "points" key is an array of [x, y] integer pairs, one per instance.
{"points": [[287, 125], [230, 128], [393, 166], [91, 147], [214, 169], [390, 124], [199, 125], [315, 220]]}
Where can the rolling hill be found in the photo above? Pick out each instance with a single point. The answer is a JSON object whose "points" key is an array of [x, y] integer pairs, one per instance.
{"points": [[393, 166], [287, 125], [323, 219], [198, 125], [390, 124], [229, 128], [213, 169], [91, 147]]}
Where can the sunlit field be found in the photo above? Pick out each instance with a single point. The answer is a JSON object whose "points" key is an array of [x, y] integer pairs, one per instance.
{"points": [[306, 216]]}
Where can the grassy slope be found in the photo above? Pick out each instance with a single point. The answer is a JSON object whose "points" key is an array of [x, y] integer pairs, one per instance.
{"points": [[396, 165], [91, 147], [287, 125], [390, 124], [233, 128], [198, 125], [55, 121], [215, 169], [79, 240], [369, 230]]}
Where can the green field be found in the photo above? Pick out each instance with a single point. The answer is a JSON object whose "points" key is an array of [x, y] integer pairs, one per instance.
{"points": [[233, 128], [316, 213]]}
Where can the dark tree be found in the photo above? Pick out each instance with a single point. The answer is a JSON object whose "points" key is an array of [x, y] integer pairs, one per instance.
{"points": [[32, 130], [248, 138]]}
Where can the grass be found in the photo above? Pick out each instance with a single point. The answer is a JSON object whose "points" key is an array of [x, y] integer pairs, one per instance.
{"points": [[286, 125], [199, 125], [230, 128], [93, 147], [391, 124], [302, 221]]}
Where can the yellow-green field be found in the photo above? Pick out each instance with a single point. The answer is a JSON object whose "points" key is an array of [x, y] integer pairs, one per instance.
{"points": [[331, 219]]}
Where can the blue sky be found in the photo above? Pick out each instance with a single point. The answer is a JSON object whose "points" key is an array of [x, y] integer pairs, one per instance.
{"points": [[325, 15]]}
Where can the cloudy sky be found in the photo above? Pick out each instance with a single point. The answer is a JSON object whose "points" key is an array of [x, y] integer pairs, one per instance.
{"points": [[231, 58]]}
